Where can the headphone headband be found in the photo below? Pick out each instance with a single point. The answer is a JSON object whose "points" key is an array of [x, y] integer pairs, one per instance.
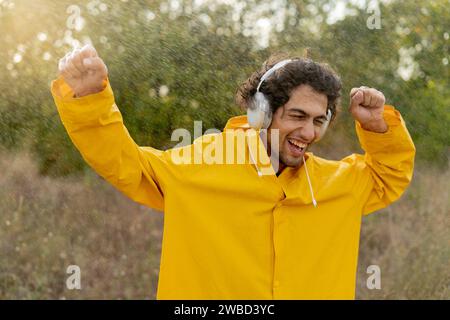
{"points": [[269, 72]]}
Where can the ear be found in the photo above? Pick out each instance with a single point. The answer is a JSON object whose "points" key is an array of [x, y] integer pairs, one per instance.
{"points": [[258, 112]]}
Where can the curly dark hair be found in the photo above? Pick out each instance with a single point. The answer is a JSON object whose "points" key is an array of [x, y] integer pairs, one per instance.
{"points": [[278, 87]]}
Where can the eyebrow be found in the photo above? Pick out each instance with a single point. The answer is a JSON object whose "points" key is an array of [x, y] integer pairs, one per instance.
{"points": [[303, 113]]}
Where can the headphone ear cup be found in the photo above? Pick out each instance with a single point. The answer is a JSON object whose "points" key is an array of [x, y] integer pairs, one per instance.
{"points": [[267, 119], [255, 118], [258, 112], [325, 125]]}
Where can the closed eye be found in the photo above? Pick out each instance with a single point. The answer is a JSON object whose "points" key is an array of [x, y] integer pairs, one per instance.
{"points": [[296, 116], [319, 122]]}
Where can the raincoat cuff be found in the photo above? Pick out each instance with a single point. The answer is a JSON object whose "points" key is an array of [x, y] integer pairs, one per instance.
{"points": [[393, 137], [84, 108]]}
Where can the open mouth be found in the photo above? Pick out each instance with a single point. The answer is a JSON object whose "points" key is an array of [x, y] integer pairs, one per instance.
{"points": [[296, 147]]}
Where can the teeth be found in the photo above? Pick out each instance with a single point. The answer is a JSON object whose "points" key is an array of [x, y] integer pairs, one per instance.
{"points": [[297, 143]]}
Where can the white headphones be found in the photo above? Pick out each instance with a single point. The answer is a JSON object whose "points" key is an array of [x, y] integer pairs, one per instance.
{"points": [[259, 113]]}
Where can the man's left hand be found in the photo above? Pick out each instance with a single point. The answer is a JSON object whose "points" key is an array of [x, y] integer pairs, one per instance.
{"points": [[366, 107]]}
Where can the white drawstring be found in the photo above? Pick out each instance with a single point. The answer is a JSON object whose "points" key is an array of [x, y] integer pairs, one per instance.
{"points": [[254, 162], [251, 154], [309, 182]]}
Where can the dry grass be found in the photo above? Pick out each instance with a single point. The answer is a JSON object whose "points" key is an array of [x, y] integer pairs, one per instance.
{"points": [[410, 241], [48, 224]]}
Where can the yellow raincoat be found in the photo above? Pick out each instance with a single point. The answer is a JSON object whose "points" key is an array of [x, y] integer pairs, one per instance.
{"points": [[231, 234]]}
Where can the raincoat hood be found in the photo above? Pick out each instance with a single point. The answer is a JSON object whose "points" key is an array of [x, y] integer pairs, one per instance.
{"points": [[238, 122]]}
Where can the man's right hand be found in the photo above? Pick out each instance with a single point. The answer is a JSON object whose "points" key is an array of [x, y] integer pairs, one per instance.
{"points": [[84, 71]]}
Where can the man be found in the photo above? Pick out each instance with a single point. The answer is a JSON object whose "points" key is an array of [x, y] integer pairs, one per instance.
{"points": [[229, 232]]}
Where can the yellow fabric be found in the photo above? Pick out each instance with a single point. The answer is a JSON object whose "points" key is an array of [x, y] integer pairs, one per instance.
{"points": [[230, 234]]}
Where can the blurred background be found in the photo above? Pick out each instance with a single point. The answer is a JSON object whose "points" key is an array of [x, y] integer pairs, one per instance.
{"points": [[176, 61]]}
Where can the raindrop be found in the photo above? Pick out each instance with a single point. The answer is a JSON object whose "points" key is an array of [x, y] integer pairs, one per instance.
{"points": [[205, 19], [150, 15], [46, 56], [163, 91], [17, 58], [58, 43], [194, 104], [42, 36]]}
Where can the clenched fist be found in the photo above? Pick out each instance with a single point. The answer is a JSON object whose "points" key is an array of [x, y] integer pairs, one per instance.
{"points": [[367, 106], [83, 71]]}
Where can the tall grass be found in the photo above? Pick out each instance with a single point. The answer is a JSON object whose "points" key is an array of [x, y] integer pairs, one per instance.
{"points": [[410, 241], [48, 224]]}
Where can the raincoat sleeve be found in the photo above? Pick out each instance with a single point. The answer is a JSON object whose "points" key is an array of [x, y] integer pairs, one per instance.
{"points": [[388, 162], [95, 125]]}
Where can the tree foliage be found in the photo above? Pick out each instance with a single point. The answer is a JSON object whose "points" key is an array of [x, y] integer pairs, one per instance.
{"points": [[173, 62]]}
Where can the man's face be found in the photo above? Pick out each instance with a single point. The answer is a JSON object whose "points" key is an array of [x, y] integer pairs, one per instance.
{"points": [[299, 122]]}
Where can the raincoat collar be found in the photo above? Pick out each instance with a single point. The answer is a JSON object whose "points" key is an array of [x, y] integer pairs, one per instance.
{"points": [[293, 181]]}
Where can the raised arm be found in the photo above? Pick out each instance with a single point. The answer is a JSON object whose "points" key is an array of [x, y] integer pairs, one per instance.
{"points": [[388, 162], [85, 103]]}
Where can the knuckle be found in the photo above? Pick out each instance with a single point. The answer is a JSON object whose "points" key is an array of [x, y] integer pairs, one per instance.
{"points": [[65, 74], [72, 70], [74, 58]]}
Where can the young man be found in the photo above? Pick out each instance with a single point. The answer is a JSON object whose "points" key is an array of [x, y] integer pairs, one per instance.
{"points": [[232, 231]]}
